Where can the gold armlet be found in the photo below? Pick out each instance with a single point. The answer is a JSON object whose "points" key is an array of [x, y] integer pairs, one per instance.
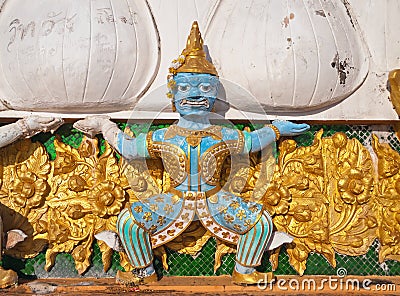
{"points": [[276, 131]]}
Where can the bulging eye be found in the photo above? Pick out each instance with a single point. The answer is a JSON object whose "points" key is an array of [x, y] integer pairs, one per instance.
{"points": [[205, 87], [183, 87]]}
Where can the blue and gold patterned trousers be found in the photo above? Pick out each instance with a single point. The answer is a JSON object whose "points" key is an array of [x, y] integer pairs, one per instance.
{"points": [[137, 241]]}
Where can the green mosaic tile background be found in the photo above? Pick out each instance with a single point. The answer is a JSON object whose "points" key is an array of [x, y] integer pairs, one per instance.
{"points": [[202, 265]]}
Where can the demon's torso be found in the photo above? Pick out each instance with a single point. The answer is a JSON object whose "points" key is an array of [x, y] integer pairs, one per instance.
{"points": [[193, 161]]}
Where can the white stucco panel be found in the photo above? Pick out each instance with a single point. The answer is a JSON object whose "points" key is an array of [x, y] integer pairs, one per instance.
{"points": [[323, 60]]}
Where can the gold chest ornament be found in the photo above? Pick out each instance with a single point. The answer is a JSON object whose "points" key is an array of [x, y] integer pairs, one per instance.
{"points": [[176, 161]]}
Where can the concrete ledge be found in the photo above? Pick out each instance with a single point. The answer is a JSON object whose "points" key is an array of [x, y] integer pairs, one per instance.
{"points": [[213, 285]]}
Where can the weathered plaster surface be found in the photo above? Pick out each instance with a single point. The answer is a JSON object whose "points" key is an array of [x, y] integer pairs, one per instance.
{"points": [[316, 60]]}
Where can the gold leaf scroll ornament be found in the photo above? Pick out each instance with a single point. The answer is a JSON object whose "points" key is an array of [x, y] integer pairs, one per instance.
{"points": [[24, 188], [388, 200], [87, 196], [332, 209]]}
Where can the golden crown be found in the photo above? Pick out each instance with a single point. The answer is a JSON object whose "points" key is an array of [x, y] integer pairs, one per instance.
{"points": [[193, 57]]}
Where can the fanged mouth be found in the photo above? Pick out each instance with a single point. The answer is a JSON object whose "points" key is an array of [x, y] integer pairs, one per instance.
{"points": [[202, 103]]}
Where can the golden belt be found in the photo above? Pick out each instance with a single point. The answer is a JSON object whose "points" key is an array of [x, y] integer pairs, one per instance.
{"points": [[194, 195]]}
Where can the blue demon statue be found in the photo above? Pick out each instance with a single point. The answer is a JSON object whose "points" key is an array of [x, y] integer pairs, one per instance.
{"points": [[193, 151]]}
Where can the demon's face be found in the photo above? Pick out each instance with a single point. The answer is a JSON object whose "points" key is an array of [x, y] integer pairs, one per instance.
{"points": [[195, 93]]}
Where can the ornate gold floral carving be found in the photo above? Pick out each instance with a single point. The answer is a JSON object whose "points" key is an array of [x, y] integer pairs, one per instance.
{"points": [[25, 170], [86, 197], [332, 208], [388, 200], [324, 195]]}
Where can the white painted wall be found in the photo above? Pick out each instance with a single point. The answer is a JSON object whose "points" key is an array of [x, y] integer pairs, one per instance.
{"points": [[76, 56], [285, 54]]}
